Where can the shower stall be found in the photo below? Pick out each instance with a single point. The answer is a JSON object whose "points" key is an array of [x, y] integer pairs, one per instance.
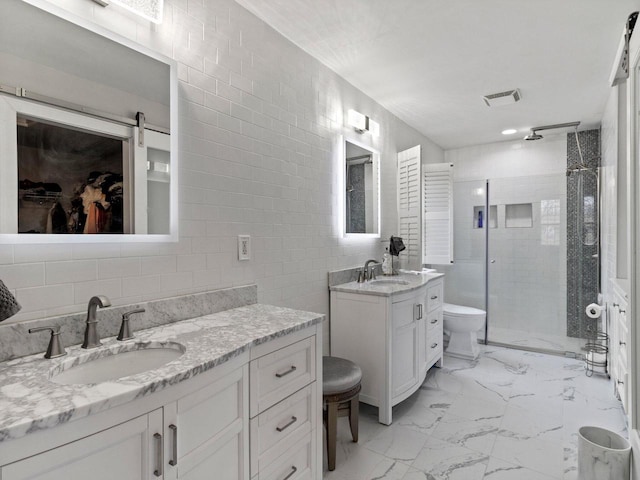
{"points": [[526, 251]]}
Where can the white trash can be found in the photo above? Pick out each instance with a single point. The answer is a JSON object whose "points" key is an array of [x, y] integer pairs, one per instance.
{"points": [[602, 455]]}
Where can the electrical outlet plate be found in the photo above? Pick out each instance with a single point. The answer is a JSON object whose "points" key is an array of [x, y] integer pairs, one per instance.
{"points": [[244, 247]]}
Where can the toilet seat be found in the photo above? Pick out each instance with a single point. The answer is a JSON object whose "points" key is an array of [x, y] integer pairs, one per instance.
{"points": [[460, 311]]}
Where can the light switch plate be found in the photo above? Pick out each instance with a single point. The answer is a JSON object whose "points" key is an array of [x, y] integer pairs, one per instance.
{"points": [[244, 247]]}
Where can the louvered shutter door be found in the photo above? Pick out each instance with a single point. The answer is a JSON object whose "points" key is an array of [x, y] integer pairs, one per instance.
{"points": [[437, 224], [409, 204]]}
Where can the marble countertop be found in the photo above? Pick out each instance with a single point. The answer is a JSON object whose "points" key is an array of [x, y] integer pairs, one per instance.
{"points": [[372, 287], [30, 401]]}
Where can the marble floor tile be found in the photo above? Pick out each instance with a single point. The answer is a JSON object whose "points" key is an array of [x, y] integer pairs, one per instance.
{"points": [[445, 461], [538, 455], [500, 470], [475, 435], [363, 464], [507, 415], [398, 442], [477, 409], [546, 425]]}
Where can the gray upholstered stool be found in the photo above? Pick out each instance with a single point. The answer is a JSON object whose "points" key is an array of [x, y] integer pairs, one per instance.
{"points": [[340, 390]]}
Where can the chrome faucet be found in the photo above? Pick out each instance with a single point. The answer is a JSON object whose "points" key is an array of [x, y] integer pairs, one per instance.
{"points": [[91, 337], [369, 274]]}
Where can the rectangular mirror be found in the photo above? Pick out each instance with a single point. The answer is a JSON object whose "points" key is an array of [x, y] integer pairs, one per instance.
{"points": [[88, 132], [361, 189]]}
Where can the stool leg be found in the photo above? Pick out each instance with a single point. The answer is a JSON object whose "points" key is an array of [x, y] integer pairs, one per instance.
{"points": [[332, 434], [354, 409]]}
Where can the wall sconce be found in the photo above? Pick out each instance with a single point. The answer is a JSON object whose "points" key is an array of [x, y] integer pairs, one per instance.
{"points": [[361, 123], [148, 9]]}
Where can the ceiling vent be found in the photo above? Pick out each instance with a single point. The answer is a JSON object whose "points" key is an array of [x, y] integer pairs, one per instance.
{"points": [[502, 98]]}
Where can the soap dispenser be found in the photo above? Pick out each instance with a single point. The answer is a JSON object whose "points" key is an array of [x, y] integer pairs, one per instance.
{"points": [[387, 266]]}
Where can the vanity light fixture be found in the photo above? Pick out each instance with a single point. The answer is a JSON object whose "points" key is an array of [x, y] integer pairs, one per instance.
{"points": [[148, 9], [361, 123], [509, 131]]}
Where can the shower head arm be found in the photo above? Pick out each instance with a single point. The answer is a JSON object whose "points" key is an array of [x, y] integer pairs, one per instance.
{"points": [[557, 125]]}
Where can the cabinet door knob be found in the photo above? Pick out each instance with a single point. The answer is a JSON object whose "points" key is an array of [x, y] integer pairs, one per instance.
{"points": [[174, 451], [622, 343], [434, 321], [434, 345], [434, 297], [283, 374], [158, 439], [620, 382]]}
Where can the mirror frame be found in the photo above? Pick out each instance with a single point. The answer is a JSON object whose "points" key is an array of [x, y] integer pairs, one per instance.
{"points": [[342, 182], [173, 235]]}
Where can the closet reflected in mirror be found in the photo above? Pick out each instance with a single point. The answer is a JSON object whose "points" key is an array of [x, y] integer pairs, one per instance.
{"points": [[361, 190], [94, 120]]}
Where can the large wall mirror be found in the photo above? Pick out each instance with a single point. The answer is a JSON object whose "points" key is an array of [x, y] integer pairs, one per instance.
{"points": [[361, 189], [88, 132]]}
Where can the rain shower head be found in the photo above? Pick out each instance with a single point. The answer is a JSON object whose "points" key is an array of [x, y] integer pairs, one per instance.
{"points": [[536, 136], [533, 136]]}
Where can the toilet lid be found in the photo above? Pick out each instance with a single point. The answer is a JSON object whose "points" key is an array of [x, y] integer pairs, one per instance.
{"points": [[461, 310]]}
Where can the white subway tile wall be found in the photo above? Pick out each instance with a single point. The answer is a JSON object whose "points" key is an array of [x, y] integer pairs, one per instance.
{"points": [[259, 124]]}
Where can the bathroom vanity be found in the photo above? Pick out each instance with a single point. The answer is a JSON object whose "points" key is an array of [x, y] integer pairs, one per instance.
{"points": [[391, 328], [241, 400]]}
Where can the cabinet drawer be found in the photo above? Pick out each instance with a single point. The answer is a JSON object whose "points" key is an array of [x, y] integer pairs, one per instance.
{"points": [[278, 374], [434, 344], [434, 320], [621, 378], [434, 296], [275, 431], [295, 464]]}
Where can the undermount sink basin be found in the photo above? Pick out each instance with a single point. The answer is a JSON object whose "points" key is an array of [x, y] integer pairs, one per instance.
{"points": [[111, 365], [389, 281]]}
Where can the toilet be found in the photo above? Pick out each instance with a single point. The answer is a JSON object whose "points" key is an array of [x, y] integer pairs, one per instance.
{"points": [[462, 324]]}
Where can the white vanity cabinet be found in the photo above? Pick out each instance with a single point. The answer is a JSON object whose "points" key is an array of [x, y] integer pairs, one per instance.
{"points": [[198, 429], [620, 341], [394, 338], [285, 410], [406, 318], [203, 431], [124, 452]]}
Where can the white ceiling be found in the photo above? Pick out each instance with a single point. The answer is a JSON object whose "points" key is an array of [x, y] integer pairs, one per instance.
{"points": [[430, 61]]}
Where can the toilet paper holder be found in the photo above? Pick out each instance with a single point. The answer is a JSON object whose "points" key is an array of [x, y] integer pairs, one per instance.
{"points": [[597, 351]]}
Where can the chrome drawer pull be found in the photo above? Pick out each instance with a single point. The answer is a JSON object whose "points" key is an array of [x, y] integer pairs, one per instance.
{"points": [[620, 382], [434, 345], [284, 427], [622, 343], [174, 453], [291, 370], [158, 439], [291, 473], [434, 297], [434, 321]]}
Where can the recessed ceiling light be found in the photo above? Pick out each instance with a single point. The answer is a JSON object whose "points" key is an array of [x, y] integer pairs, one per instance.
{"points": [[509, 131]]}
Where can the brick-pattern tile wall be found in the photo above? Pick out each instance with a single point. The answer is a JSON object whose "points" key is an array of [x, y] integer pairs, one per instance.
{"points": [[259, 123]]}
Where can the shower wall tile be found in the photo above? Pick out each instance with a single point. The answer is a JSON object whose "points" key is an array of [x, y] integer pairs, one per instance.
{"points": [[582, 248]]}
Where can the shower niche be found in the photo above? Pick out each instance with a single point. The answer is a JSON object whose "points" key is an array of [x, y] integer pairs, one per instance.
{"points": [[518, 215], [480, 219]]}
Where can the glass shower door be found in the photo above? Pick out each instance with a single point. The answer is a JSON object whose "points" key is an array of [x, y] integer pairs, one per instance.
{"points": [[465, 278], [527, 263]]}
